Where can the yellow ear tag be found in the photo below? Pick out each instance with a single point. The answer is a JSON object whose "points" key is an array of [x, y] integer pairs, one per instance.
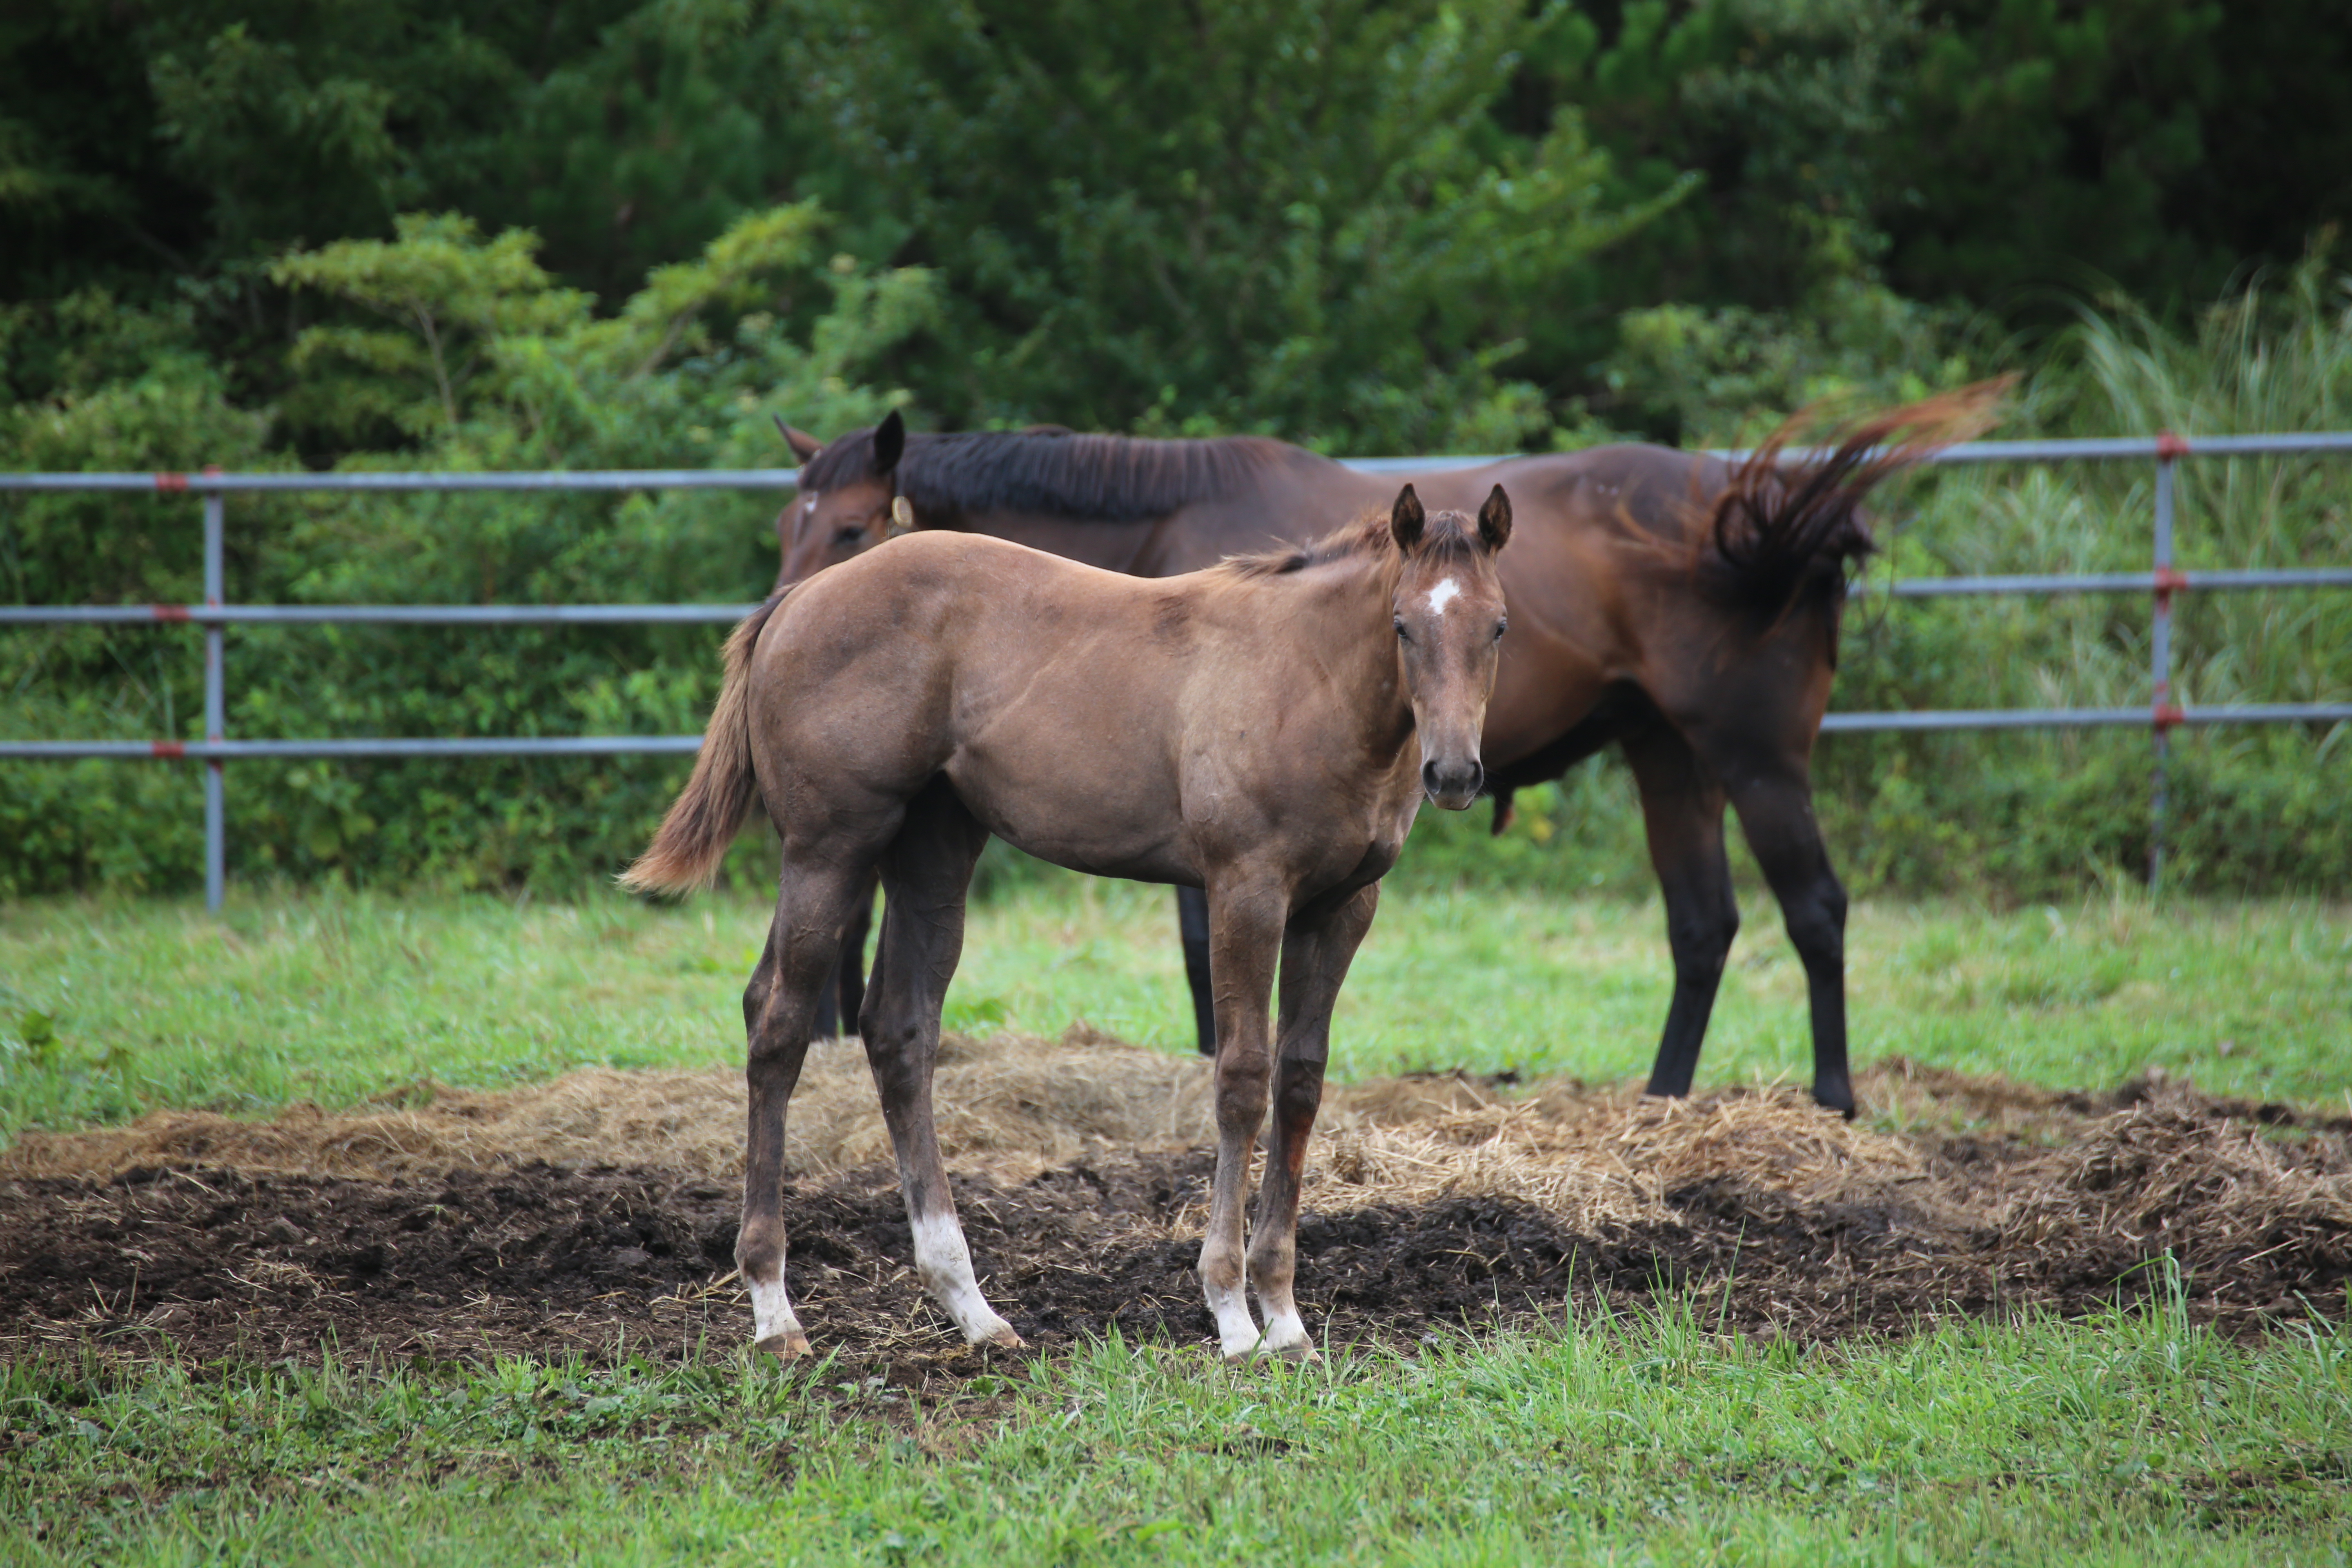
{"points": [[902, 517]]}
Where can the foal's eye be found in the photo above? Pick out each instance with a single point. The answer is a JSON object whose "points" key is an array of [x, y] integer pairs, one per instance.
{"points": [[1500, 627], [1401, 633], [849, 535]]}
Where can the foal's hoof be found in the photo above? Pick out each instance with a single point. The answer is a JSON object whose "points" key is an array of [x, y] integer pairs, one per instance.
{"points": [[994, 1331], [789, 1346]]}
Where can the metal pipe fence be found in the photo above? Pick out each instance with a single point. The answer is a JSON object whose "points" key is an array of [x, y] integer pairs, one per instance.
{"points": [[2161, 581]]}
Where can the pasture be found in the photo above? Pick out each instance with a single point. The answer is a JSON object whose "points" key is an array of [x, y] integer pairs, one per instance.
{"points": [[397, 1230]]}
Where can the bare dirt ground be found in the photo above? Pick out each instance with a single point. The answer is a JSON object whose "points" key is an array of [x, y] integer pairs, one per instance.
{"points": [[597, 1214]]}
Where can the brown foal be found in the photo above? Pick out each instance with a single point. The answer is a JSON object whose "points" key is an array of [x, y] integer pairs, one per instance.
{"points": [[1264, 730]]}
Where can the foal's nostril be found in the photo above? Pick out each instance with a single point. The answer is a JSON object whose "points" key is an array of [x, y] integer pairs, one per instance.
{"points": [[1460, 778]]}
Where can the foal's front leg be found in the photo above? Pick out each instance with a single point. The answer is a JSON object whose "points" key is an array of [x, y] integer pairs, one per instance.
{"points": [[1316, 953], [1245, 935]]}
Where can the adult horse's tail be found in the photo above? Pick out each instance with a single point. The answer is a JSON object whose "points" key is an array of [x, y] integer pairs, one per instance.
{"points": [[703, 819], [1781, 523]]}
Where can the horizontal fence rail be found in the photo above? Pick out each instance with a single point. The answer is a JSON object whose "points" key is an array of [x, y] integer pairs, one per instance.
{"points": [[394, 746], [2162, 583], [1935, 719], [378, 615], [211, 482]]}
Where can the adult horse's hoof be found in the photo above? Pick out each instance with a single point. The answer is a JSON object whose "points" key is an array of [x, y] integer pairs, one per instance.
{"points": [[787, 1346], [1837, 1096], [1004, 1339]]}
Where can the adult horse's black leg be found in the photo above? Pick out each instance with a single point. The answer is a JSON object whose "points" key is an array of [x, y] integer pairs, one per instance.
{"points": [[1192, 926], [779, 1013], [845, 997], [1681, 809], [926, 871], [1316, 953], [1775, 801]]}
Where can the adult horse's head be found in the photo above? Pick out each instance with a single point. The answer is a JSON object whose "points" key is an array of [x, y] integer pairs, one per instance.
{"points": [[848, 498], [1448, 615]]}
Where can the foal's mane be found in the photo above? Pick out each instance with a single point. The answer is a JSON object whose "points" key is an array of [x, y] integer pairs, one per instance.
{"points": [[1112, 479], [1446, 535]]}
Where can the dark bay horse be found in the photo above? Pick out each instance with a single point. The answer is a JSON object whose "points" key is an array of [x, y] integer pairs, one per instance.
{"points": [[1675, 605], [1263, 730]]}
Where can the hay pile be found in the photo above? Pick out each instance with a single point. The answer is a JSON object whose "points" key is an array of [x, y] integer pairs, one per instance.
{"points": [[1010, 1106], [2166, 1174], [2066, 1178], [1593, 1157]]}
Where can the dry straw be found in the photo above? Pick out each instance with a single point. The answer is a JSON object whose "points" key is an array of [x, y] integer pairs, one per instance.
{"points": [[2168, 1171]]}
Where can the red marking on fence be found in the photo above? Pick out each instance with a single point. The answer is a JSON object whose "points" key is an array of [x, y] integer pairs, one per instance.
{"points": [[2169, 445], [170, 748], [169, 612], [2168, 716], [171, 482], [2169, 581]]}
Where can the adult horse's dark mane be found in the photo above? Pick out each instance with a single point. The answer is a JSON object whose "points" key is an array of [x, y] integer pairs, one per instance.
{"points": [[1780, 526], [1106, 479]]}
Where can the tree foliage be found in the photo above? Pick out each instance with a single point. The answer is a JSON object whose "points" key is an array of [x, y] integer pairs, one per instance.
{"points": [[1301, 217]]}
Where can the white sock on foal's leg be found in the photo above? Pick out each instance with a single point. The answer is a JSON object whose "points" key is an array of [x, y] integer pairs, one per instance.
{"points": [[1285, 1333], [943, 1263], [774, 1327], [1237, 1333]]}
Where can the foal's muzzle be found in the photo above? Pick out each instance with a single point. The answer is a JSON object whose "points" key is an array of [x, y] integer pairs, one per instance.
{"points": [[1452, 785]]}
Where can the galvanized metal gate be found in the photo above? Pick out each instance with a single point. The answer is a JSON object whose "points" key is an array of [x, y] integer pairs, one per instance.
{"points": [[2162, 581]]}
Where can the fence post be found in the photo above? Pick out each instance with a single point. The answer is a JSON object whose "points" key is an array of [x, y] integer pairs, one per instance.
{"points": [[2164, 713], [215, 816]]}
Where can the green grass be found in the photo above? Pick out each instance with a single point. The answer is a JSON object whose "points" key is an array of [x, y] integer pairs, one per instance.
{"points": [[2127, 1439], [111, 1007]]}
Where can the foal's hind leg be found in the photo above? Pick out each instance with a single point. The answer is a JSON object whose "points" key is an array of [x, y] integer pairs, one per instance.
{"points": [[925, 873], [1316, 953], [779, 1012], [1682, 808]]}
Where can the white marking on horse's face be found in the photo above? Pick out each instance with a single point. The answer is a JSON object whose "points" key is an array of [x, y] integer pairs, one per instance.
{"points": [[1442, 595], [809, 505]]}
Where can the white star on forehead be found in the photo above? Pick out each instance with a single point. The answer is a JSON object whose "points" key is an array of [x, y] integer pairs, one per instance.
{"points": [[1442, 594]]}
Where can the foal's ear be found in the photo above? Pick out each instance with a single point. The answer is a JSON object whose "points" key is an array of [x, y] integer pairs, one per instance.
{"points": [[889, 442], [1405, 518], [1494, 520], [804, 445]]}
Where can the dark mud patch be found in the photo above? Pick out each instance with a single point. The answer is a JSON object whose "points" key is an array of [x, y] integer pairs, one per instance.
{"points": [[547, 1260]]}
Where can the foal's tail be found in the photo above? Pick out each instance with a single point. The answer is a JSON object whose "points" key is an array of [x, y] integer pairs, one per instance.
{"points": [[1779, 525], [693, 838]]}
